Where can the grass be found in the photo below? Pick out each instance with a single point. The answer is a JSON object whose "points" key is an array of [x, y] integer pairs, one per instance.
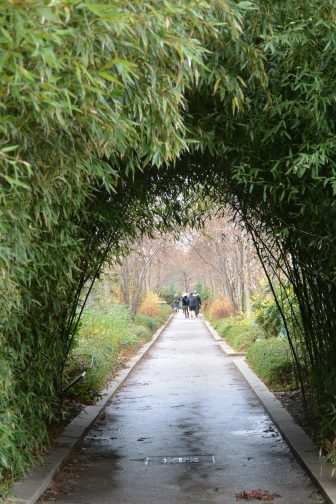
{"points": [[106, 339], [147, 322], [238, 332]]}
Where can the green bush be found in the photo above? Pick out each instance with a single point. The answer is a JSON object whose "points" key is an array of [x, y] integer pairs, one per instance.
{"points": [[269, 357], [164, 312], [104, 338], [238, 332], [267, 315], [104, 334], [143, 332], [147, 321], [272, 361]]}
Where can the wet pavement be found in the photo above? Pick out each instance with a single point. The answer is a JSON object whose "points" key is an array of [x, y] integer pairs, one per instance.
{"points": [[185, 427]]}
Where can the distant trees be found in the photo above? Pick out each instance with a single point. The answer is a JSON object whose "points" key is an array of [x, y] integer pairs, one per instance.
{"points": [[220, 257], [127, 279], [226, 261], [134, 274]]}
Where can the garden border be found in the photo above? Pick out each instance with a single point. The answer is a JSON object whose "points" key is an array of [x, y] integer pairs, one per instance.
{"points": [[301, 445], [31, 488]]}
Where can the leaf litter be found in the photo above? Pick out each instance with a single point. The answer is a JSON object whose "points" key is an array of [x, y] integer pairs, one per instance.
{"points": [[262, 495]]}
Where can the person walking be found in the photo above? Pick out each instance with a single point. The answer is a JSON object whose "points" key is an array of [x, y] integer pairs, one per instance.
{"points": [[185, 304], [176, 303], [198, 303], [192, 305]]}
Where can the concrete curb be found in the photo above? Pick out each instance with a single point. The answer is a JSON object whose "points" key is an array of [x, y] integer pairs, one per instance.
{"points": [[303, 448], [31, 488], [229, 351]]}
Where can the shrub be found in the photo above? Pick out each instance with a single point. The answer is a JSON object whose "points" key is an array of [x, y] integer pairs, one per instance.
{"points": [[219, 308], [167, 293], [147, 321], [105, 337], [272, 361], [266, 312], [150, 305], [105, 333], [239, 332], [143, 332]]}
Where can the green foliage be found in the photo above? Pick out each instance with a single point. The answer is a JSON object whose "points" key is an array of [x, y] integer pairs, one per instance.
{"points": [[106, 336], [272, 360], [167, 293], [238, 332], [202, 290], [266, 313], [143, 332], [270, 357], [278, 315], [87, 91], [120, 118], [164, 313], [147, 321], [153, 323]]}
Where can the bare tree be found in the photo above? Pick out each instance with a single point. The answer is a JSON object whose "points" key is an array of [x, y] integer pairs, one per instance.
{"points": [[135, 271], [221, 258], [225, 248]]}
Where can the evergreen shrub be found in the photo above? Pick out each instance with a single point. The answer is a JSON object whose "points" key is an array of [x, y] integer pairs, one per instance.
{"points": [[105, 339], [272, 361], [105, 334], [147, 321], [143, 332]]}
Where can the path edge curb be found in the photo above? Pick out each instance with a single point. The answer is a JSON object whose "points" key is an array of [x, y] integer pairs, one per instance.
{"points": [[301, 445], [31, 488]]}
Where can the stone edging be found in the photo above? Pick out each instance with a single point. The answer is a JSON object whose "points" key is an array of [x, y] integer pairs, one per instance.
{"points": [[229, 351], [31, 488], [304, 449]]}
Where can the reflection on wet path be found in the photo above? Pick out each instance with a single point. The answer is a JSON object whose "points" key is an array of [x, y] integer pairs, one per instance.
{"points": [[185, 427]]}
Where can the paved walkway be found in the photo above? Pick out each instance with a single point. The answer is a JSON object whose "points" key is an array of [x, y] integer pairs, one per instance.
{"points": [[185, 427]]}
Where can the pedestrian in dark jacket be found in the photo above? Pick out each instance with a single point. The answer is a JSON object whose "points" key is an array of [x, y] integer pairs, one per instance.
{"points": [[198, 302], [185, 305], [192, 305]]}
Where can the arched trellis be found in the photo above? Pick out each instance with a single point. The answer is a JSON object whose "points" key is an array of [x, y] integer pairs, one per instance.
{"points": [[183, 194], [233, 102]]}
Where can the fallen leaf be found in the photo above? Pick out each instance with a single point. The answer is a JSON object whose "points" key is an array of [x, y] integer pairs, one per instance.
{"points": [[53, 491], [262, 495]]}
